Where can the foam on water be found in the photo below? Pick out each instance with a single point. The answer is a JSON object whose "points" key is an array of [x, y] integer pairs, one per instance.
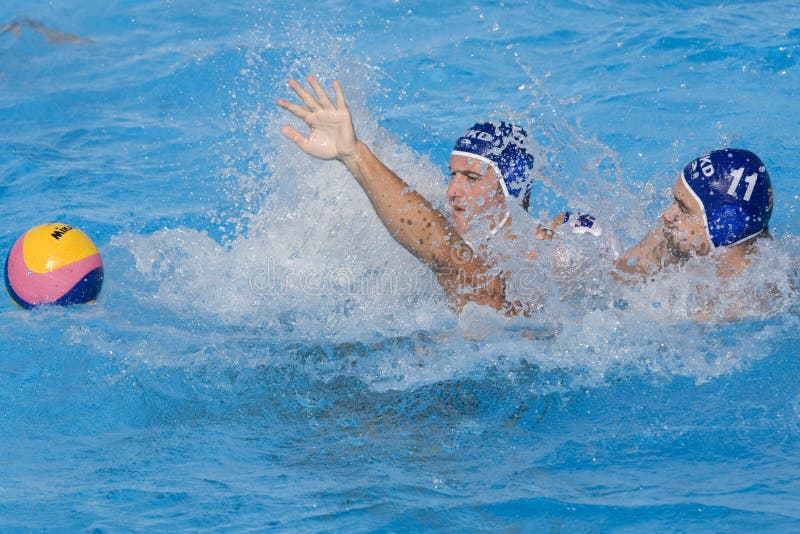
{"points": [[308, 264], [263, 353]]}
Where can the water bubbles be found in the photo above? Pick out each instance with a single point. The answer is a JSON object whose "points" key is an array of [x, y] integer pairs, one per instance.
{"points": [[311, 266]]}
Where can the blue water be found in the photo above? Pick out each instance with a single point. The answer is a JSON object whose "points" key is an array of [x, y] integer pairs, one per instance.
{"points": [[264, 356]]}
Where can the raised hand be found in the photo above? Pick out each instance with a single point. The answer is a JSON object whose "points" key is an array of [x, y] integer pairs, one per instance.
{"points": [[332, 135]]}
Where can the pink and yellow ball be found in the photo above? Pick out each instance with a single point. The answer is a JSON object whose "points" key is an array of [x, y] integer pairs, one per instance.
{"points": [[53, 264]]}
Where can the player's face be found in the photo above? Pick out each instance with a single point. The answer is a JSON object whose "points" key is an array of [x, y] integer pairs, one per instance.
{"points": [[474, 193], [684, 226]]}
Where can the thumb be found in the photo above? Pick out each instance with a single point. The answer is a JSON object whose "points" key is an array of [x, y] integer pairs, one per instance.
{"points": [[296, 137]]}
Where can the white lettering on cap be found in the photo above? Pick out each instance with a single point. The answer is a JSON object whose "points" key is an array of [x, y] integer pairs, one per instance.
{"points": [[706, 166], [477, 134]]}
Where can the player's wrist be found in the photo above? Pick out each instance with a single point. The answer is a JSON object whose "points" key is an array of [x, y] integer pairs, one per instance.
{"points": [[354, 156]]}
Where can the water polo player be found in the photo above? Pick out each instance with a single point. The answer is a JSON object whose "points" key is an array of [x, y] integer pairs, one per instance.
{"points": [[478, 198], [490, 163], [723, 203]]}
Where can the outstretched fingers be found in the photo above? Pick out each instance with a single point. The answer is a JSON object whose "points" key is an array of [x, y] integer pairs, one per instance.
{"points": [[340, 101], [306, 97], [331, 133], [322, 96], [298, 111]]}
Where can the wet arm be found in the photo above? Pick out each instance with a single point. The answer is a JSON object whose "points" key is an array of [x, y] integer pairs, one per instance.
{"points": [[422, 230], [408, 216], [644, 258]]}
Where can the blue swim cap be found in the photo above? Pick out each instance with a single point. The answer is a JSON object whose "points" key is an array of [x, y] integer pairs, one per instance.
{"points": [[504, 146], [734, 191]]}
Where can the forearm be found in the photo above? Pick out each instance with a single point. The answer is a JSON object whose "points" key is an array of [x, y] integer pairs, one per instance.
{"points": [[407, 215], [425, 232], [644, 258]]}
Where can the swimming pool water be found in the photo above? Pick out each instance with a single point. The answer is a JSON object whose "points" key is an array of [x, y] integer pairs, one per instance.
{"points": [[263, 356]]}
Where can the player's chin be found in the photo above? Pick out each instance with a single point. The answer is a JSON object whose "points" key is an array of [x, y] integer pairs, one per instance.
{"points": [[678, 247], [459, 219], [684, 250]]}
